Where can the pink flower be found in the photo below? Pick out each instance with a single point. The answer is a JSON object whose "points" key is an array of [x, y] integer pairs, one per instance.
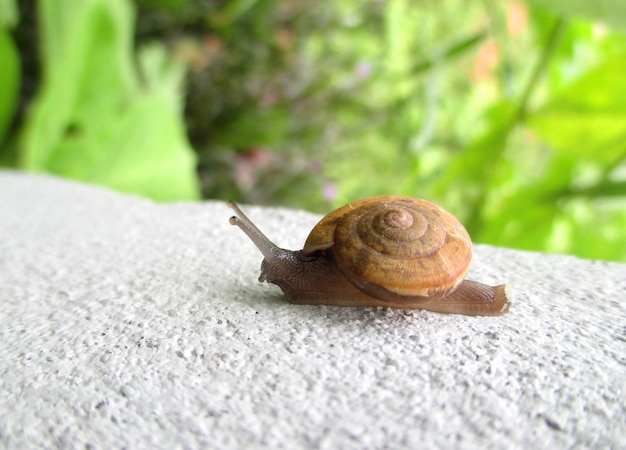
{"points": [[364, 69], [329, 191]]}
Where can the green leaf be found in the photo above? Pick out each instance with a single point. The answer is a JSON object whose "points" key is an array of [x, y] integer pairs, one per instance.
{"points": [[588, 119], [611, 12], [9, 81], [96, 119], [523, 210], [129, 154]]}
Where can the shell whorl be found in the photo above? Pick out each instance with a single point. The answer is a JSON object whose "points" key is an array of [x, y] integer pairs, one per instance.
{"points": [[395, 247]]}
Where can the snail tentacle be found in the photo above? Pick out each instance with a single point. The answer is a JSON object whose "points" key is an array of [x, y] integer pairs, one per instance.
{"points": [[262, 242]]}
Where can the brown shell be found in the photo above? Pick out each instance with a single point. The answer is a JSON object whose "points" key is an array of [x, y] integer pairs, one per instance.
{"points": [[395, 247]]}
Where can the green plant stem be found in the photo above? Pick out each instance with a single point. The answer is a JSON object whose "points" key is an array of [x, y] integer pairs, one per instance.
{"points": [[475, 221], [553, 39], [457, 49]]}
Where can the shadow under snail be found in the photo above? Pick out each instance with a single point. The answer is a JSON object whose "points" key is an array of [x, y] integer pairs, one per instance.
{"points": [[392, 251]]}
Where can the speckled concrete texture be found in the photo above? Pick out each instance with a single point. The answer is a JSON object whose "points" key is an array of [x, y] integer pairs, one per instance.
{"points": [[125, 323]]}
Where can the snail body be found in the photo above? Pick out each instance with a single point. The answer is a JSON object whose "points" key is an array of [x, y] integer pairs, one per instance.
{"points": [[391, 251]]}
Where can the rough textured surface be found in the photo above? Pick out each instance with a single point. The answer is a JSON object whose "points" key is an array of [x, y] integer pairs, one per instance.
{"points": [[125, 323]]}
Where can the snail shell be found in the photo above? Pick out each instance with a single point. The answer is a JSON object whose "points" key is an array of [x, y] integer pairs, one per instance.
{"points": [[382, 251], [396, 246]]}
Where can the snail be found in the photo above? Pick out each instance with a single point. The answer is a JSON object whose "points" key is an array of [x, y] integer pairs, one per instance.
{"points": [[390, 251]]}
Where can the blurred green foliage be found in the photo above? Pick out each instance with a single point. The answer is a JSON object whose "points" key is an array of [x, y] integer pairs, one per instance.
{"points": [[100, 116], [9, 69], [512, 115]]}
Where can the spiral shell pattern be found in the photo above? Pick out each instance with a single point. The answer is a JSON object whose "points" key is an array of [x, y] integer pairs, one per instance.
{"points": [[395, 247]]}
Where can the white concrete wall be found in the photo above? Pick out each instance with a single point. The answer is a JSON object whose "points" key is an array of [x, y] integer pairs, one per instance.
{"points": [[129, 324]]}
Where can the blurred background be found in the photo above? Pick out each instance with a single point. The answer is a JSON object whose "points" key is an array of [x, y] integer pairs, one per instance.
{"points": [[509, 114]]}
